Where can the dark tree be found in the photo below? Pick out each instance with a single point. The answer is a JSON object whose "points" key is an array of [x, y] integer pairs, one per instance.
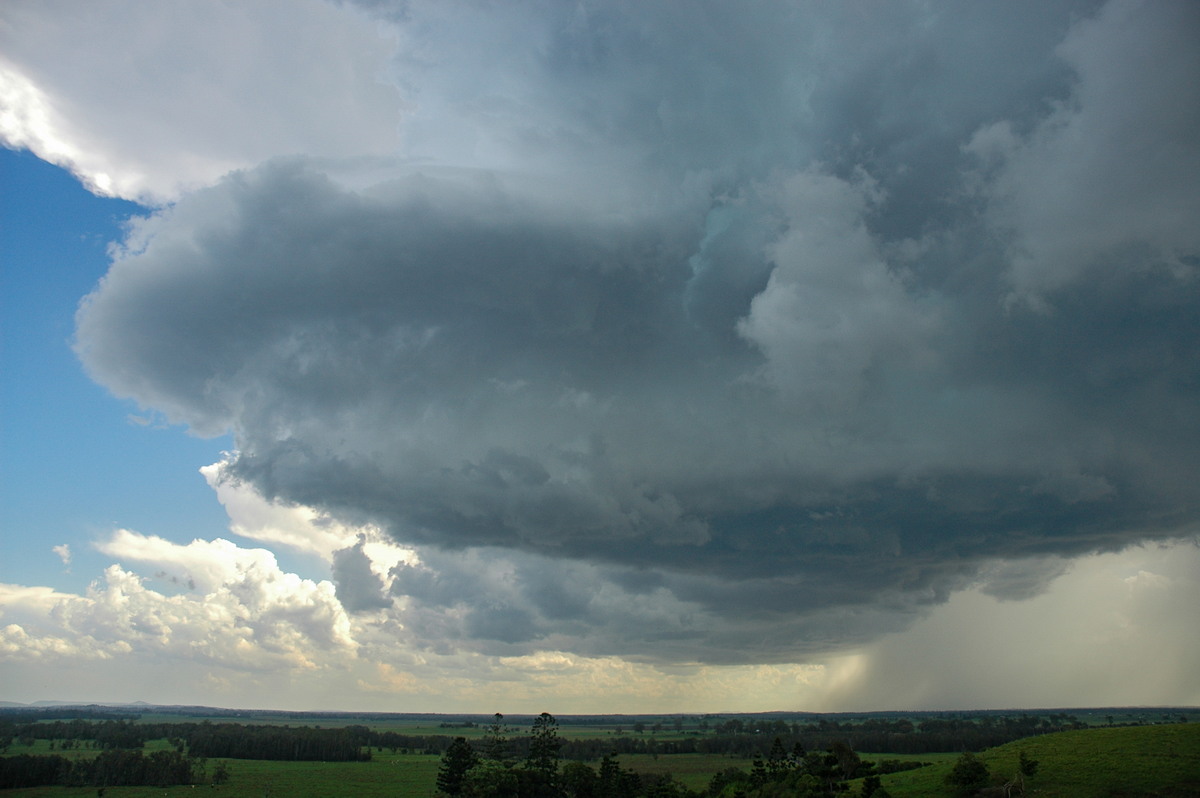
{"points": [[495, 740], [579, 780], [758, 772], [491, 779], [540, 775], [459, 758], [777, 761], [969, 775], [616, 782], [544, 745], [1027, 766]]}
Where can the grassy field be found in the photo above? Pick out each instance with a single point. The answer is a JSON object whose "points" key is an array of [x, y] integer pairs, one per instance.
{"points": [[1162, 761], [384, 777], [692, 770]]}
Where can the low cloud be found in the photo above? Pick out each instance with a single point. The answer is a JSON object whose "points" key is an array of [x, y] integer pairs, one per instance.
{"points": [[122, 638]]}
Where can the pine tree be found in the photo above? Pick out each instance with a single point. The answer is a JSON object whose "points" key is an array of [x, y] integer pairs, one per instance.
{"points": [[495, 745], [544, 745], [459, 758]]}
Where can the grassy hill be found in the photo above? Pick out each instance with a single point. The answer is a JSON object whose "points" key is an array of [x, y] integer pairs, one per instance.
{"points": [[1161, 761]]}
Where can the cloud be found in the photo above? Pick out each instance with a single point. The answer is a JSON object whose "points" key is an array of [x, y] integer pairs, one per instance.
{"points": [[122, 641], [358, 586], [63, 551], [683, 369], [144, 102], [1107, 180], [224, 607], [299, 528]]}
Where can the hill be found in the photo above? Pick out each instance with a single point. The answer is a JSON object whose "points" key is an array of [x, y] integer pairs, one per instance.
{"points": [[1161, 761]]}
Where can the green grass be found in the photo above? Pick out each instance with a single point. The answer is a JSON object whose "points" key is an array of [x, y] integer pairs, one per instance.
{"points": [[691, 770], [1161, 761]]}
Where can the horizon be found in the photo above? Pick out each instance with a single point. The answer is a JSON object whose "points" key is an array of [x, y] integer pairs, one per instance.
{"points": [[601, 356], [52, 704]]}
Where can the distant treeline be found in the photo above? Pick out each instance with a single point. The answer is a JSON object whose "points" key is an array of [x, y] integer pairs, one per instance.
{"points": [[879, 735], [107, 769], [205, 739], [734, 737], [737, 737]]}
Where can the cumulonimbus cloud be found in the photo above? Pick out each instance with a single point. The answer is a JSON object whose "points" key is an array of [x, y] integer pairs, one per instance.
{"points": [[729, 329]]}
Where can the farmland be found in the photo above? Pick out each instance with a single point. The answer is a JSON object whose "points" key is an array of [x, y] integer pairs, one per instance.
{"points": [[1077, 754]]}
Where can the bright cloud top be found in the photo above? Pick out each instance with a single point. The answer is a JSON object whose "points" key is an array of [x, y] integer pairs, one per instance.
{"points": [[734, 334], [144, 101]]}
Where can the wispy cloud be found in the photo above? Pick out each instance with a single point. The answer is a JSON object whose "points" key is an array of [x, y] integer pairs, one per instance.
{"points": [[64, 553]]}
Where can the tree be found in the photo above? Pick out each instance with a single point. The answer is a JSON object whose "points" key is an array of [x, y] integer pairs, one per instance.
{"points": [[540, 776], [616, 782], [969, 775], [609, 779], [544, 744], [459, 758], [777, 760], [849, 762], [1027, 766], [579, 780], [490, 779], [758, 772], [495, 740]]}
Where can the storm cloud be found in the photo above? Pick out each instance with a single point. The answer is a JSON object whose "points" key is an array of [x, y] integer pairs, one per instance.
{"points": [[719, 334]]}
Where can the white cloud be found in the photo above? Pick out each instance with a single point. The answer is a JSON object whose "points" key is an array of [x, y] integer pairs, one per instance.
{"points": [[144, 100], [297, 527], [230, 606]]}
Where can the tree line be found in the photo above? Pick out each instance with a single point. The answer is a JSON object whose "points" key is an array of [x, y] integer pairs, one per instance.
{"points": [[113, 768], [733, 737], [491, 768]]}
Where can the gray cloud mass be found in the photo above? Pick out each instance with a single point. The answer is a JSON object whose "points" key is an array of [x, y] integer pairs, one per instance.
{"points": [[728, 333]]}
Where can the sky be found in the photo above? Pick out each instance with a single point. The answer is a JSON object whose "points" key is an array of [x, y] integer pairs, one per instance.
{"points": [[600, 356]]}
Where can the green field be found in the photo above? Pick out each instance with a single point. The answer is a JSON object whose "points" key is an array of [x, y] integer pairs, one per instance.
{"points": [[390, 776], [1161, 761], [692, 770]]}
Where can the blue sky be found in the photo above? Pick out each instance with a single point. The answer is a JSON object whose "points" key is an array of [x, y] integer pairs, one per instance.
{"points": [[74, 463], [598, 358]]}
